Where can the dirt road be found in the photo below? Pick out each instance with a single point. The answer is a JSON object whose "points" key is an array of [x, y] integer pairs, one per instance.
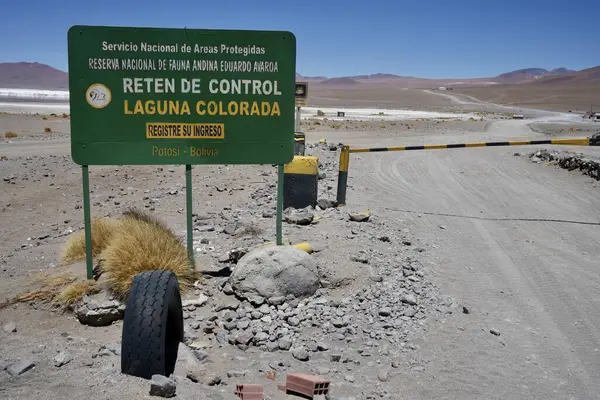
{"points": [[535, 283]]}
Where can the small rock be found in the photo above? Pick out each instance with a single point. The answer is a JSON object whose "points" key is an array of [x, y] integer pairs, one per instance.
{"points": [[349, 378], [62, 358], [265, 309], [322, 346], [335, 357], [10, 327], [359, 217], [376, 278], [161, 386], [244, 337], [299, 217], [323, 371], [494, 332], [293, 321], [385, 311], [277, 300], [395, 364], [338, 323], [199, 302], [272, 346], [204, 377], [465, 310], [285, 343], [324, 204], [409, 312], [300, 353], [236, 374], [20, 367], [409, 299], [383, 375]]}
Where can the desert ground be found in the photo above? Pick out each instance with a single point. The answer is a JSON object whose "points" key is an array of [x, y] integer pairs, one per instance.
{"points": [[476, 275]]}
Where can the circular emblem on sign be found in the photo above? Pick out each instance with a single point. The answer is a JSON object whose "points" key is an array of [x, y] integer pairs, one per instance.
{"points": [[98, 95]]}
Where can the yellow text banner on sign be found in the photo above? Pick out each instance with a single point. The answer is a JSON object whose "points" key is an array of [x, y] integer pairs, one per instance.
{"points": [[166, 130]]}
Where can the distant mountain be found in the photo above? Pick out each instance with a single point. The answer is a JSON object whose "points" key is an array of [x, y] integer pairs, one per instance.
{"points": [[340, 81], [529, 75], [301, 78], [27, 75], [585, 76]]}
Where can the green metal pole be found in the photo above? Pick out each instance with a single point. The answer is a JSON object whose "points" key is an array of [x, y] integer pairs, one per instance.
{"points": [[188, 206], [87, 221], [279, 204]]}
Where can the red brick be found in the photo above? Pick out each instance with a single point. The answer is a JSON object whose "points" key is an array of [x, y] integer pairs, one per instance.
{"points": [[249, 391], [308, 385]]}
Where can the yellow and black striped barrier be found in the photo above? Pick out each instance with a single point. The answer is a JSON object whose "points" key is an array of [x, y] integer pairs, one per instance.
{"points": [[346, 151], [300, 182]]}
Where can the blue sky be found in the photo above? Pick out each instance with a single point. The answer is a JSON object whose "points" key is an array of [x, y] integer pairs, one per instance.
{"points": [[435, 38]]}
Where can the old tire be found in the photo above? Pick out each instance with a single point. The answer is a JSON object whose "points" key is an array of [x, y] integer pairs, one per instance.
{"points": [[152, 325]]}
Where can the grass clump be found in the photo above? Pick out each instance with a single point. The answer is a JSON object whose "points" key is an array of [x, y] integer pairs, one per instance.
{"points": [[143, 243], [47, 130], [10, 135], [124, 247], [73, 293], [103, 230], [47, 287]]}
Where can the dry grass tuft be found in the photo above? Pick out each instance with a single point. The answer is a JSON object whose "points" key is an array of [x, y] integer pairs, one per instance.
{"points": [[103, 230], [47, 130], [3, 157], [143, 243], [75, 292], [47, 287], [65, 115], [10, 135]]}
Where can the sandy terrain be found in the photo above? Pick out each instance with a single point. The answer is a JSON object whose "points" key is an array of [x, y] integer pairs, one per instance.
{"points": [[574, 97], [449, 227]]}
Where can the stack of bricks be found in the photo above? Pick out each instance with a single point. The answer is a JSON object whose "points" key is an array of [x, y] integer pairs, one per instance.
{"points": [[306, 385], [249, 391]]}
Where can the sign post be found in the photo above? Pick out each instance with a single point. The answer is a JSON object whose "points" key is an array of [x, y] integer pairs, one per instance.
{"points": [[150, 96], [301, 93]]}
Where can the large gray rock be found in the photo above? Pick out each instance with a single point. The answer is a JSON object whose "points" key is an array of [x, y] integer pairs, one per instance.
{"points": [[99, 310], [275, 271]]}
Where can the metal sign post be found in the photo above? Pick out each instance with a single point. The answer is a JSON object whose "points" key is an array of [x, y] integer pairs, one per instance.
{"points": [[150, 96]]}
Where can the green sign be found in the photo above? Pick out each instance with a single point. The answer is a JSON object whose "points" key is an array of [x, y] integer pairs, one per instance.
{"points": [[144, 96]]}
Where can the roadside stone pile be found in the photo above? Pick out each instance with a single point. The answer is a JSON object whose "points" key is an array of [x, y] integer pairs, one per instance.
{"points": [[278, 306], [569, 161]]}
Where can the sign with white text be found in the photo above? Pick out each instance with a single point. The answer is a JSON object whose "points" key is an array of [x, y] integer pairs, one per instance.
{"points": [[143, 96]]}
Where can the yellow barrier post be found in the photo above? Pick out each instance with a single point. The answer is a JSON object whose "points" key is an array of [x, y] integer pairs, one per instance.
{"points": [[299, 143], [300, 182], [343, 175]]}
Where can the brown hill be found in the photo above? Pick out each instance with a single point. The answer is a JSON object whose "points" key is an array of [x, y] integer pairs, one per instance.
{"points": [[575, 91], [26, 75], [531, 75], [340, 81], [588, 75]]}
